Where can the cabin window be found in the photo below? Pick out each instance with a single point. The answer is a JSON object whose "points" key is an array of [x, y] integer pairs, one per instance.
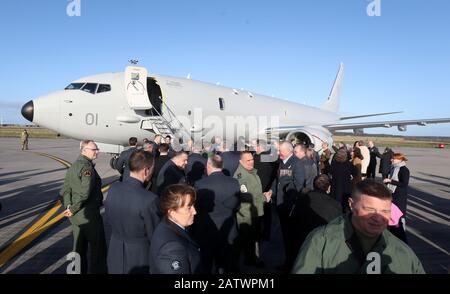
{"points": [[103, 88], [74, 86], [221, 104], [90, 88]]}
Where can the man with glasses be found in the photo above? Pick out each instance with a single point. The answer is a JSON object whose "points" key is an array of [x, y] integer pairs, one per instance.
{"points": [[82, 197], [358, 243]]}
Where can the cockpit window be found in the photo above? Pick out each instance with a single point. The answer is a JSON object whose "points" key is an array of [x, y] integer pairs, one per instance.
{"points": [[103, 88], [74, 86], [90, 88]]}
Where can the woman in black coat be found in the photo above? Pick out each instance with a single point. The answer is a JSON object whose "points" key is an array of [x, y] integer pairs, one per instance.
{"points": [[398, 182], [172, 250], [342, 173], [385, 162]]}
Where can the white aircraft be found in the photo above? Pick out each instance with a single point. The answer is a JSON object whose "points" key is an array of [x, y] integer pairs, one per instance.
{"points": [[110, 108]]}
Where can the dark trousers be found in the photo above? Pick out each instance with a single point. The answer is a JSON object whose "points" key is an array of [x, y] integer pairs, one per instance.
{"points": [[249, 234], [371, 171], [219, 258], [91, 235], [287, 230], [267, 221]]}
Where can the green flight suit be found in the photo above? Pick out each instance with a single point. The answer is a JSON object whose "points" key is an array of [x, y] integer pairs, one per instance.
{"points": [[252, 197], [82, 193], [24, 140], [335, 249], [250, 212]]}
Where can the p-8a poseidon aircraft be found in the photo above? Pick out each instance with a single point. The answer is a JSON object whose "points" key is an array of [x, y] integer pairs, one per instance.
{"points": [[110, 108]]}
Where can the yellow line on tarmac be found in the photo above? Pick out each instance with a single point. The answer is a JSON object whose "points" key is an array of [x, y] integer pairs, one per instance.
{"points": [[40, 225], [62, 161]]}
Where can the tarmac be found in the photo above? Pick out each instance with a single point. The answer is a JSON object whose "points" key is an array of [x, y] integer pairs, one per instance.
{"points": [[30, 182]]}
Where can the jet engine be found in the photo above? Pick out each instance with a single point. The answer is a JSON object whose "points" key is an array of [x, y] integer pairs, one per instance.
{"points": [[310, 135]]}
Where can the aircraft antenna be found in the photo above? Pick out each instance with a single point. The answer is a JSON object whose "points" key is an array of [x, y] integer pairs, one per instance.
{"points": [[133, 61]]}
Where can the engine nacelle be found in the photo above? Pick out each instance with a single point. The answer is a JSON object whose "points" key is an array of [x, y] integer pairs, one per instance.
{"points": [[401, 128], [311, 135]]}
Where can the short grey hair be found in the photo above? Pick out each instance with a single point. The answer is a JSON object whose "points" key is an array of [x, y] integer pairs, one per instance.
{"points": [[84, 143], [288, 145]]}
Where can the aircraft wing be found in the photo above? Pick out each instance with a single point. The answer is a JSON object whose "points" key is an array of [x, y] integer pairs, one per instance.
{"points": [[386, 124]]}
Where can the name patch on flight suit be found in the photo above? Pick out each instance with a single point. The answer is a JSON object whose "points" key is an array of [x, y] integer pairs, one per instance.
{"points": [[244, 189]]}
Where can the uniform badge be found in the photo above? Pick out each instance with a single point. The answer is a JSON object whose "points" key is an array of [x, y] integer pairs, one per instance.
{"points": [[87, 173], [239, 175], [244, 189], [176, 265]]}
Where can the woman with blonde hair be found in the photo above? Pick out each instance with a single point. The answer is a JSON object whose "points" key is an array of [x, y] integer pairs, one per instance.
{"points": [[398, 182]]}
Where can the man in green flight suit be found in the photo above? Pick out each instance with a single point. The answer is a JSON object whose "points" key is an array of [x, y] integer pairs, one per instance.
{"points": [[24, 139], [249, 216], [82, 197], [358, 243]]}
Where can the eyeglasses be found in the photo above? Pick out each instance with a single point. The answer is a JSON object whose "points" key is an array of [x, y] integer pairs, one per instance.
{"points": [[93, 149], [374, 211]]}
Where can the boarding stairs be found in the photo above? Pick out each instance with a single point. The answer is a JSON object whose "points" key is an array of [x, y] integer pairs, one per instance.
{"points": [[165, 124]]}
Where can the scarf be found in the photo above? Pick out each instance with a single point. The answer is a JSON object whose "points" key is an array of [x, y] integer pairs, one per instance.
{"points": [[394, 175]]}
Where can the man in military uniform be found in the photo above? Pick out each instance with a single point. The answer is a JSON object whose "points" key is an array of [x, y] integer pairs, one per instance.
{"points": [[249, 216], [82, 198], [24, 139], [358, 243], [286, 188]]}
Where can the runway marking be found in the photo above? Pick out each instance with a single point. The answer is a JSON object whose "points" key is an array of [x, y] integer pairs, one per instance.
{"points": [[41, 225], [431, 211], [417, 234]]}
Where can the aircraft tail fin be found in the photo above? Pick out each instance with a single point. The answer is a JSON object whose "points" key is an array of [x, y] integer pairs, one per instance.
{"points": [[332, 103]]}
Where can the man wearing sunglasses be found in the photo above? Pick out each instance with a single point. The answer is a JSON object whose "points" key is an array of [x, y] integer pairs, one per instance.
{"points": [[82, 197]]}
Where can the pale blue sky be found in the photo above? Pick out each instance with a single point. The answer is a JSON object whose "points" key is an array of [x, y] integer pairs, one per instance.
{"points": [[289, 49]]}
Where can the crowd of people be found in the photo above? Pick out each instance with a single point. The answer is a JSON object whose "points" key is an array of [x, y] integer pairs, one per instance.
{"points": [[208, 210]]}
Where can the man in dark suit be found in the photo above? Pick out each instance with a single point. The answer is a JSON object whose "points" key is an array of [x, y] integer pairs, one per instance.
{"points": [[266, 164], [133, 213], [172, 172], [122, 161], [156, 143], [230, 160], [215, 224], [315, 209], [287, 187], [196, 166], [374, 153], [159, 163]]}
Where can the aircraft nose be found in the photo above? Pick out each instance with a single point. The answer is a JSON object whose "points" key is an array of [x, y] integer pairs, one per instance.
{"points": [[28, 110]]}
